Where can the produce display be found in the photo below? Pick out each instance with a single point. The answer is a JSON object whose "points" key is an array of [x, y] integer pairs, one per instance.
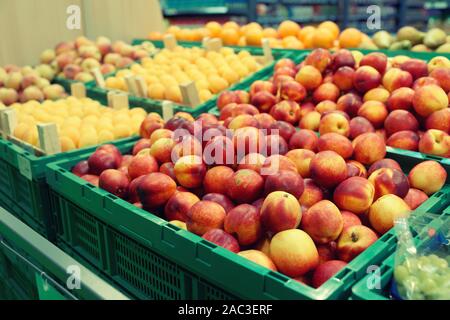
{"points": [[304, 208], [211, 71], [80, 122], [409, 38], [288, 35], [404, 101], [22, 84], [76, 59]]}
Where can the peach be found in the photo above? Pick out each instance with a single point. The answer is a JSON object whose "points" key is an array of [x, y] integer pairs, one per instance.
{"points": [[306, 108], [102, 160], [442, 75], [244, 223], [278, 79], [216, 179], [287, 181], [309, 77], [343, 78], [326, 271], [353, 241], [276, 163], [242, 96], [190, 171], [188, 146], [328, 169], [424, 81], [417, 68], [247, 140], [439, 120], [282, 128], [311, 194], [265, 121], [360, 125], [356, 169], [428, 176], [326, 252], [161, 150], [355, 194], [385, 210], [349, 103], [389, 181], [225, 98], [274, 144], [221, 199], [304, 139], [152, 122], [302, 159], [260, 85], [334, 122], [245, 186], [263, 100], [415, 197], [374, 111], [92, 179], [252, 161], [435, 142], [258, 257], [377, 94], [319, 58], [384, 163], [178, 206], [155, 189], [326, 106], [366, 78], [285, 71], [375, 60], [241, 121], [337, 143], [396, 78], [286, 111], [323, 222], [280, 211], [310, 121], [205, 216], [326, 91], [342, 58], [400, 120], [222, 239], [115, 182], [350, 219], [407, 140], [142, 164], [141, 145], [219, 150], [368, 148], [292, 90], [294, 252], [401, 98], [429, 99]]}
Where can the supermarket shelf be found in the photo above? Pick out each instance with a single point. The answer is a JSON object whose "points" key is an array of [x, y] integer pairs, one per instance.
{"points": [[40, 256]]}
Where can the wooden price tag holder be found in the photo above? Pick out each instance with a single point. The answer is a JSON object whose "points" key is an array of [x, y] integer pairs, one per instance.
{"points": [[48, 135], [131, 85], [167, 110], [99, 79], [169, 41], [78, 90], [120, 101], [214, 44], [267, 51], [141, 86], [190, 94]]}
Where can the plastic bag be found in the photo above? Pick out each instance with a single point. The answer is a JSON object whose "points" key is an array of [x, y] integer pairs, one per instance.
{"points": [[423, 272]]}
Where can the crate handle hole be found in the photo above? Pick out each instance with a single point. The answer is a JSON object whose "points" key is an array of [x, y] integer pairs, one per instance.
{"points": [[206, 243], [278, 276], [62, 170], [111, 196], [173, 227]]}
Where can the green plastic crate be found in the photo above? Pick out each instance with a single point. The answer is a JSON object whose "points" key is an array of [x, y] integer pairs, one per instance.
{"points": [[361, 290], [151, 105], [67, 83], [153, 259], [23, 187], [31, 268]]}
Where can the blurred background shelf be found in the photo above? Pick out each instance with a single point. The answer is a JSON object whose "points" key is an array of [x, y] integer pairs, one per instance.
{"points": [[347, 13]]}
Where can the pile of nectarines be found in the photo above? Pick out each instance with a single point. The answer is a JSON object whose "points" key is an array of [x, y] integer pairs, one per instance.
{"points": [[80, 122], [76, 59], [289, 35], [288, 200], [211, 71], [27, 83], [404, 101]]}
